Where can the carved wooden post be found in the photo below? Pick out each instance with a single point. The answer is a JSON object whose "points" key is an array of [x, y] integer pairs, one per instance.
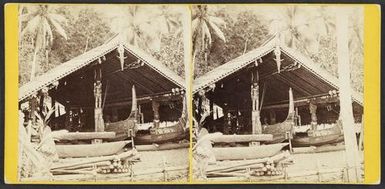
{"points": [[313, 113], [227, 118], [255, 113], [99, 122], [155, 108], [272, 117]]}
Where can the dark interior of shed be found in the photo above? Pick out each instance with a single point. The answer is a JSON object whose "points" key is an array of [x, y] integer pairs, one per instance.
{"points": [[233, 95], [76, 93]]}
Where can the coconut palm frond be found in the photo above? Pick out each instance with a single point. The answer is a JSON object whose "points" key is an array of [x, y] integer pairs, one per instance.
{"points": [[32, 26], [27, 16], [206, 31], [194, 25], [49, 114], [217, 31], [59, 18], [48, 30], [217, 21], [59, 29]]}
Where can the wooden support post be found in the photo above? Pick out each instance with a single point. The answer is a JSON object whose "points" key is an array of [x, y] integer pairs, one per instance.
{"points": [[227, 119], [33, 103], [289, 137], [99, 122], [313, 113], [272, 117], [155, 108], [255, 113], [361, 139]]}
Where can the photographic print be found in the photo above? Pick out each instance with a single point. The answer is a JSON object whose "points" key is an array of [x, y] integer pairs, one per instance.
{"points": [[278, 93], [102, 93], [192, 93]]}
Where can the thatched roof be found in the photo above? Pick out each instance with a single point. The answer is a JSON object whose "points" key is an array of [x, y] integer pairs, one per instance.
{"points": [[152, 77], [308, 80]]}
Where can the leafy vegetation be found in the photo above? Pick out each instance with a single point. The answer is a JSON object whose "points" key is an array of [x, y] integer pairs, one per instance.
{"points": [[85, 27], [309, 30]]}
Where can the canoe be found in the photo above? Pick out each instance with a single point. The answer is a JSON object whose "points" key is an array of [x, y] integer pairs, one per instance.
{"points": [[122, 129], [252, 152], [279, 130], [164, 134], [161, 135], [315, 141], [90, 150], [319, 137], [126, 128]]}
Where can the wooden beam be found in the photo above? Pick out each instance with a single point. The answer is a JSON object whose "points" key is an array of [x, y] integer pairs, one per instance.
{"points": [[292, 84], [242, 138], [303, 102], [86, 135], [135, 82], [252, 152]]}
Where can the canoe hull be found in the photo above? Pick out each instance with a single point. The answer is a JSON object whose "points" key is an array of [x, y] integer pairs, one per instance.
{"points": [[252, 152], [319, 137], [90, 150], [123, 129], [164, 135], [278, 131], [316, 141]]}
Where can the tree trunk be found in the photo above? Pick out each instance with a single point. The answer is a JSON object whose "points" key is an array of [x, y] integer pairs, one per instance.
{"points": [[346, 112]]}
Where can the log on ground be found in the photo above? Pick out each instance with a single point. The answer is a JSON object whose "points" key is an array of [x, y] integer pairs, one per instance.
{"points": [[87, 135], [242, 138], [252, 152]]}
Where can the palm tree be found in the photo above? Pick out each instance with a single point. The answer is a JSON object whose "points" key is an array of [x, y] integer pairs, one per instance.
{"points": [[137, 27], [40, 21], [166, 19], [204, 25], [294, 28]]}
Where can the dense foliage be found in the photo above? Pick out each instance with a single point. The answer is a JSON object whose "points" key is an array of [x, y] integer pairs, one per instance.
{"points": [[309, 30], [219, 35], [87, 28]]}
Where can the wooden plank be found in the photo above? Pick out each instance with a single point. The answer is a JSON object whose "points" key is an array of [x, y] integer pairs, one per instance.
{"points": [[242, 138], [253, 152], [313, 149], [95, 160]]}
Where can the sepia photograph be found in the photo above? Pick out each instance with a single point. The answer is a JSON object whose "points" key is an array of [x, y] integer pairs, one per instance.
{"points": [[102, 94], [192, 93], [278, 93]]}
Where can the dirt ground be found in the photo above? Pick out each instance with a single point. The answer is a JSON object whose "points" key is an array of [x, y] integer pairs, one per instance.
{"points": [[306, 166], [155, 159], [326, 161]]}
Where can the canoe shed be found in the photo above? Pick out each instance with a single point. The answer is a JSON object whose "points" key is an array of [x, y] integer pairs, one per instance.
{"points": [[99, 85], [259, 81]]}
